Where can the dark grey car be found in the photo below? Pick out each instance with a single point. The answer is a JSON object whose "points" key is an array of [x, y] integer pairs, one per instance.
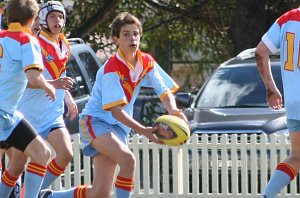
{"points": [[233, 100]]}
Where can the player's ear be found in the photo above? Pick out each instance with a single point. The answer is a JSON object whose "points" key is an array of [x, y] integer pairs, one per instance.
{"points": [[115, 40]]}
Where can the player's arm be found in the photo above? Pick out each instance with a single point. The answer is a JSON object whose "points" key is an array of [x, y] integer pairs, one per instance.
{"points": [[71, 105], [127, 120], [65, 83], [264, 66], [169, 101], [37, 81]]}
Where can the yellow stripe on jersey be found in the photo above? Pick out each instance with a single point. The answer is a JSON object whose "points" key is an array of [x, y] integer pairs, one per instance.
{"points": [[112, 104], [34, 66], [83, 127]]}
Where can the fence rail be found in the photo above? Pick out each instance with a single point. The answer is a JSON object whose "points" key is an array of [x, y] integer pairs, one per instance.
{"points": [[206, 166]]}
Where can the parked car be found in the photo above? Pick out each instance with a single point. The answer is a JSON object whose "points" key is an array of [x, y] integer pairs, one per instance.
{"points": [[233, 100], [82, 67]]}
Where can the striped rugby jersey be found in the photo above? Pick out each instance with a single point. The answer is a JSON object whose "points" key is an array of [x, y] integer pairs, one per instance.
{"points": [[19, 51], [36, 107], [118, 83]]}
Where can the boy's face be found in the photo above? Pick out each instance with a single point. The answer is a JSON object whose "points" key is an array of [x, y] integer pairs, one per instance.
{"points": [[129, 39], [55, 22], [35, 28]]}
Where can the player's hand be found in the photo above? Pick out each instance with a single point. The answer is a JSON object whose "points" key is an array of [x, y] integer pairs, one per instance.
{"points": [[179, 113], [149, 132], [163, 133], [72, 109], [65, 83], [274, 99], [50, 91]]}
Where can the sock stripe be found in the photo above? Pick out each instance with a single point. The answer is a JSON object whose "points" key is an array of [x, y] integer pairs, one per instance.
{"points": [[79, 191], [9, 180], [54, 168], [124, 183], [286, 168], [36, 169], [125, 179]]}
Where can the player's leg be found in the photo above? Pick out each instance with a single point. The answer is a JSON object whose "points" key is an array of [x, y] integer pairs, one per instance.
{"points": [[111, 151], [287, 170], [17, 161], [60, 140], [111, 147], [104, 172], [25, 139], [39, 153], [11, 180], [5, 148], [34, 147]]}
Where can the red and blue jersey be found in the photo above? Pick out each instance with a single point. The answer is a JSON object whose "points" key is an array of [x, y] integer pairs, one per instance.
{"points": [[118, 83], [19, 51], [36, 107], [284, 34]]}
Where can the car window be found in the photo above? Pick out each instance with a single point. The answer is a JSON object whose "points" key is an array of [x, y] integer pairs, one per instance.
{"points": [[90, 65], [236, 87], [79, 87]]}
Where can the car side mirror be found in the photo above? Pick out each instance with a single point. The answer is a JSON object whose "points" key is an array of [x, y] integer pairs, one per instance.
{"points": [[183, 99]]}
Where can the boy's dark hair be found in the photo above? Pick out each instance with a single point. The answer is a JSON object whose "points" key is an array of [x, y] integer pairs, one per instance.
{"points": [[122, 19], [21, 11]]}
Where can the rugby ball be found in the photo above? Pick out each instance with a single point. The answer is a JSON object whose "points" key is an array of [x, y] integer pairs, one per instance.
{"points": [[177, 129]]}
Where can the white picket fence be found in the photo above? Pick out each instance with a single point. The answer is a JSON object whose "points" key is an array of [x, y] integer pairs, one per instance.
{"points": [[206, 166]]}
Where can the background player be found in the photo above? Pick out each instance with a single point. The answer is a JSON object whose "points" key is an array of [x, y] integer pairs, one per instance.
{"points": [[20, 61], [284, 34], [47, 118]]}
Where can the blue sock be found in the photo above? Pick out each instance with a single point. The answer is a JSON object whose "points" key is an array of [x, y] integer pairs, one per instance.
{"points": [[123, 187], [63, 194], [34, 176], [281, 177], [16, 192], [7, 184], [121, 193], [53, 171], [78, 192], [49, 178]]}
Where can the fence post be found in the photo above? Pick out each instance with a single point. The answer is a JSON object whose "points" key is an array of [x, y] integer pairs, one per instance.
{"points": [[177, 170]]}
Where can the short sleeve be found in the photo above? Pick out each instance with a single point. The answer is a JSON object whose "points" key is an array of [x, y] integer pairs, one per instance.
{"points": [[31, 55], [272, 38], [161, 82], [112, 91]]}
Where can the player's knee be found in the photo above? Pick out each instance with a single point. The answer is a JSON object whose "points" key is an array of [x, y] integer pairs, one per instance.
{"points": [[129, 162], [43, 156], [65, 156], [46, 155]]}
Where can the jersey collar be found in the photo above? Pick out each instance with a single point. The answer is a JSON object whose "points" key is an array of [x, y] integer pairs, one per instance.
{"points": [[17, 27]]}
